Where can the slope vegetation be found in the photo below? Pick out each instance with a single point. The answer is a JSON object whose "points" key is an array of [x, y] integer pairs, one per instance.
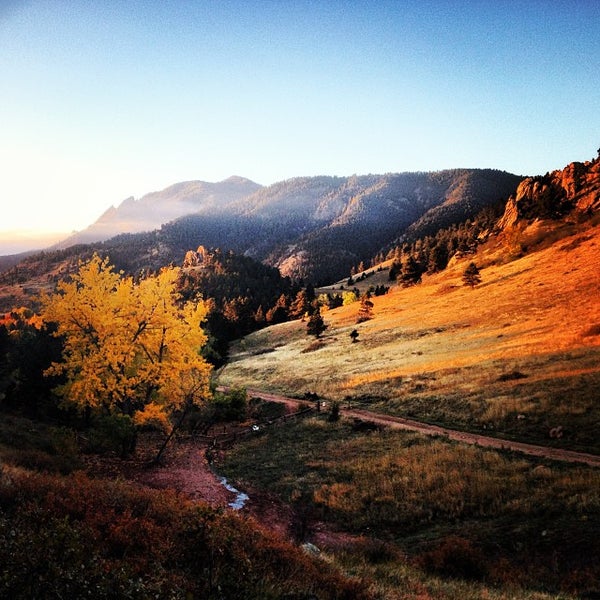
{"points": [[517, 355], [324, 225]]}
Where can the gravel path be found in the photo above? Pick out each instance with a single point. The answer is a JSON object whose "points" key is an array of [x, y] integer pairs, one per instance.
{"points": [[453, 434]]}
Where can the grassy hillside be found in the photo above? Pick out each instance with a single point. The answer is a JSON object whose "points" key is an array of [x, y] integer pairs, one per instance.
{"points": [[517, 355]]}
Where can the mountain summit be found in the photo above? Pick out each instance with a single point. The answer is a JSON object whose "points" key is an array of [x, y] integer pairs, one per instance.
{"points": [[156, 208]]}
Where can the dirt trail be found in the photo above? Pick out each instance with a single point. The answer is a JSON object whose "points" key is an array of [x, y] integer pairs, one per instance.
{"points": [[187, 470], [453, 434]]}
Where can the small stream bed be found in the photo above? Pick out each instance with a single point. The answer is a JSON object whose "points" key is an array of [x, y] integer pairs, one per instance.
{"points": [[240, 499]]}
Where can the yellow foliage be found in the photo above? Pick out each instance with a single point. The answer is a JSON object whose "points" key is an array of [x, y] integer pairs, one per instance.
{"points": [[152, 414], [349, 298], [128, 346]]}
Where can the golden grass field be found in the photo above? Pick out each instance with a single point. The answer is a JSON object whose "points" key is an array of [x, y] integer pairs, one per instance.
{"points": [[518, 350]]}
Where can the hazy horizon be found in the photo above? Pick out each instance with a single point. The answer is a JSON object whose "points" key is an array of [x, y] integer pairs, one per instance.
{"points": [[17, 242], [104, 101]]}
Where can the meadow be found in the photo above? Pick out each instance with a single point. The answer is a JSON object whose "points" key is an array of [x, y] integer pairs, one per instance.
{"points": [[451, 516], [518, 355]]}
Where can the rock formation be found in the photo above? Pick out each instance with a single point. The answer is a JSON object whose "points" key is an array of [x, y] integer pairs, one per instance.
{"points": [[574, 189]]}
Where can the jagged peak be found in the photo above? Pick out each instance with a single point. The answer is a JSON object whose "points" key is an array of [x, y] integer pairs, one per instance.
{"points": [[575, 188]]}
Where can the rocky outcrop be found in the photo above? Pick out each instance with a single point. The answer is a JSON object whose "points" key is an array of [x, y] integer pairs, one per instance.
{"points": [[195, 258], [576, 188]]}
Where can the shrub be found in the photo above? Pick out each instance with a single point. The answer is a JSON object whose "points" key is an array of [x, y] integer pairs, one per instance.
{"points": [[75, 537], [471, 275], [454, 557], [230, 406], [334, 413], [592, 330], [36, 446], [513, 375], [111, 433]]}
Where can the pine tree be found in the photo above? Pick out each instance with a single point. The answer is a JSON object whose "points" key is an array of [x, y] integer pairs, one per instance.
{"points": [[301, 304], [411, 272], [438, 258], [471, 275], [279, 313], [259, 316], [316, 326], [365, 312]]}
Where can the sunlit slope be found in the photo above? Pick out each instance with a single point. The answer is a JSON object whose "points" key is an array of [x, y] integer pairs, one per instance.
{"points": [[518, 353]]}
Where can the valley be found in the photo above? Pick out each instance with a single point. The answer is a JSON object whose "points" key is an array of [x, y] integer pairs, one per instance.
{"points": [[300, 300], [451, 450]]}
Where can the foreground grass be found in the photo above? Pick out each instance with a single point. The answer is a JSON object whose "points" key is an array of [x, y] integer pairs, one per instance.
{"points": [[456, 511], [546, 399]]}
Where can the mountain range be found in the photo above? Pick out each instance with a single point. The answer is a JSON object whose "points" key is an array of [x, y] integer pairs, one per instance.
{"points": [[313, 228], [306, 204]]}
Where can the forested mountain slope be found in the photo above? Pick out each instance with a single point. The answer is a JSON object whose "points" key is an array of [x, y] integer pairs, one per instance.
{"points": [[316, 228], [326, 225]]}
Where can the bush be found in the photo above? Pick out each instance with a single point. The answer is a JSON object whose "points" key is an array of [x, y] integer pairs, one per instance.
{"points": [[334, 413], [512, 376], [75, 537], [111, 433], [593, 330], [38, 447], [230, 406], [263, 410], [454, 557]]}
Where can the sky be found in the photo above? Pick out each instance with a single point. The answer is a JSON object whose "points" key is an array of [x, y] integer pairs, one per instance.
{"points": [[100, 101]]}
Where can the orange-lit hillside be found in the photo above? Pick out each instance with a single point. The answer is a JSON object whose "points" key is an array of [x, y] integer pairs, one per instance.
{"points": [[442, 350], [547, 301]]}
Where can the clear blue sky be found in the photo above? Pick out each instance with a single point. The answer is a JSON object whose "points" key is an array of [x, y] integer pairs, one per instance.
{"points": [[105, 99]]}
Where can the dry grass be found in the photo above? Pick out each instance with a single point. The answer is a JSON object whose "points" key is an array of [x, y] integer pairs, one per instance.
{"points": [[514, 519], [442, 343], [519, 354]]}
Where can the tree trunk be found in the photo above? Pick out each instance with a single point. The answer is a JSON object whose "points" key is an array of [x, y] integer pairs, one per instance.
{"points": [[174, 430]]}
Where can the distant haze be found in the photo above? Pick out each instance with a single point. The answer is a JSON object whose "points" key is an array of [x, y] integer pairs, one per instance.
{"points": [[15, 242], [106, 100]]}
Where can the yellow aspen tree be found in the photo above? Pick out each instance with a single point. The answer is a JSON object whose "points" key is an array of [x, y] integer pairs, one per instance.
{"points": [[129, 347]]}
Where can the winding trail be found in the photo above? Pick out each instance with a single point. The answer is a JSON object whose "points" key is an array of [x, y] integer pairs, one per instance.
{"points": [[453, 434]]}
